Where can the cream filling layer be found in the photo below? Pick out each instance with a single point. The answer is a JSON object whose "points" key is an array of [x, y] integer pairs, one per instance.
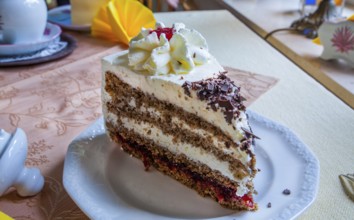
{"points": [[235, 152], [169, 88], [195, 154]]}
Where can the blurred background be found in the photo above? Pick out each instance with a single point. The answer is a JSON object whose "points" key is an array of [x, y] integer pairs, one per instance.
{"points": [[162, 5]]}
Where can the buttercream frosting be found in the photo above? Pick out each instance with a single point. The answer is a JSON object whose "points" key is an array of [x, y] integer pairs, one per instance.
{"points": [[175, 50]]}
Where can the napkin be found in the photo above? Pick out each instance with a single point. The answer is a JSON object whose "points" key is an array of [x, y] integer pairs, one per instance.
{"points": [[121, 20], [3, 216]]}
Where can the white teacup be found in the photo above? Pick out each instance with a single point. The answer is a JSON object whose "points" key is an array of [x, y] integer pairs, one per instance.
{"points": [[22, 21]]}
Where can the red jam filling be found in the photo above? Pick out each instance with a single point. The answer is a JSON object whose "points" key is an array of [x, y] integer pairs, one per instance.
{"points": [[167, 31], [248, 201], [223, 193]]}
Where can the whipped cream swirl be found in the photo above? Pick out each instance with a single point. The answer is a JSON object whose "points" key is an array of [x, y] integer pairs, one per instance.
{"points": [[164, 50]]}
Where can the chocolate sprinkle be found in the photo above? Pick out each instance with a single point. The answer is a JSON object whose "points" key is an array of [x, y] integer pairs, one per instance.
{"points": [[269, 205], [227, 144], [219, 92], [186, 86], [249, 133], [286, 192]]}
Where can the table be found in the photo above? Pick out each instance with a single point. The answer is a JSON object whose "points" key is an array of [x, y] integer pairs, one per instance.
{"points": [[53, 103], [335, 76], [60, 99]]}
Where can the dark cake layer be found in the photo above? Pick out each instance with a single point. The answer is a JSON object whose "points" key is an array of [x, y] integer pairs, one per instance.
{"points": [[122, 94], [126, 103], [197, 176]]}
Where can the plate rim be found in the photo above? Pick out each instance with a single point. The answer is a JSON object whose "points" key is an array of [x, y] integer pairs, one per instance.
{"points": [[43, 43], [292, 211], [312, 165], [72, 44]]}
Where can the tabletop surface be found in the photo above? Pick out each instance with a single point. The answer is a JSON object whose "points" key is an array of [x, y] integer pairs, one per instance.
{"points": [[56, 101], [335, 76]]}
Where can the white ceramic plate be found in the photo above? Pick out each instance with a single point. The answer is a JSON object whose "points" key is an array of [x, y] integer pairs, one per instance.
{"points": [[51, 34], [62, 16], [106, 183]]}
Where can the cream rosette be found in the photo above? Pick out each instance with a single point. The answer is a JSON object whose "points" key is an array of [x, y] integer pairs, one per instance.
{"points": [[153, 52]]}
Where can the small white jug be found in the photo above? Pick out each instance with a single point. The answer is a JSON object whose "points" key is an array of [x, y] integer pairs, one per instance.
{"points": [[22, 21], [13, 153]]}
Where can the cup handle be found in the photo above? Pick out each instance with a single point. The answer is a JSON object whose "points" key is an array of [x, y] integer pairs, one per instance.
{"points": [[1, 35], [1, 30]]}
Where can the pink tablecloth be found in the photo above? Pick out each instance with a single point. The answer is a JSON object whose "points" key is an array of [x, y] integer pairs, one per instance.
{"points": [[53, 103]]}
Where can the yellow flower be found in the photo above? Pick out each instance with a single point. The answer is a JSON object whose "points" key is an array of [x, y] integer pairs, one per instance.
{"points": [[121, 20]]}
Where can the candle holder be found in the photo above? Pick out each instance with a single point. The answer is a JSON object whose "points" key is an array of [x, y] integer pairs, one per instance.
{"points": [[309, 24]]}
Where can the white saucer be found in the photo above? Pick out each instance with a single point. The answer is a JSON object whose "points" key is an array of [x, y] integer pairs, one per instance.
{"points": [[107, 183], [51, 34], [62, 16]]}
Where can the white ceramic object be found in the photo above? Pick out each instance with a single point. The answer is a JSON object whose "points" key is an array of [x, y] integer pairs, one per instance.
{"points": [[13, 153], [337, 39], [51, 35], [22, 21], [107, 183], [83, 12]]}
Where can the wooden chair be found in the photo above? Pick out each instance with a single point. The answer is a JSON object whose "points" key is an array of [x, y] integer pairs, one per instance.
{"points": [[51, 4], [160, 5], [157, 5], [154, 5], [188, 5]]}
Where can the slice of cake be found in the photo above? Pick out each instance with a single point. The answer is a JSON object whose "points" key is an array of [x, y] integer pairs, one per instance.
{"points": [[168, 102]]}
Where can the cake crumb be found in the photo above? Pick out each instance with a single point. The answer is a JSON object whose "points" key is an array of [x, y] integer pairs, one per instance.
{"points": [[269, 205], [286, 192]]}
